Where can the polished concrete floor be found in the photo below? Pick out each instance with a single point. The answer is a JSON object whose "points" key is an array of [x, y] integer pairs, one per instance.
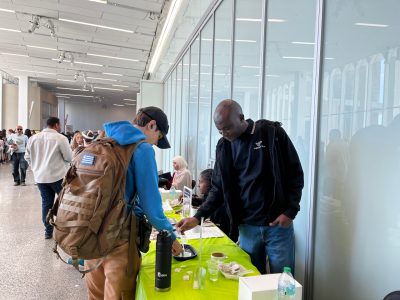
{"points": [[28, 267]]}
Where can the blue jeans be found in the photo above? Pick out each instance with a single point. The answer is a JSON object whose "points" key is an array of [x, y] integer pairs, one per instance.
{"points": [[274, 243], [19, 164], [48, 192]]}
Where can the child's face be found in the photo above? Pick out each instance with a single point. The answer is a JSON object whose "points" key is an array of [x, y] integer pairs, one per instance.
{"points": [[203, 186]]}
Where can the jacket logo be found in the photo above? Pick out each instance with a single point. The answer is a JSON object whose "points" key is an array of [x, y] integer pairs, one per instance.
{"points": [[259, 145]]}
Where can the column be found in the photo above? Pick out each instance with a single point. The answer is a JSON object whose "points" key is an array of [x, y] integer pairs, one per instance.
{"points": [[61, 113], [23, 110]]}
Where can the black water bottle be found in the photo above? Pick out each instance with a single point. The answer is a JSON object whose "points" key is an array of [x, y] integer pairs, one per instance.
{"points": [[163, 261]]}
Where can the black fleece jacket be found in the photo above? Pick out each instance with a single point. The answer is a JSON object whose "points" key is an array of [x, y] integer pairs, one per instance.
{"points": [[282, 175]]}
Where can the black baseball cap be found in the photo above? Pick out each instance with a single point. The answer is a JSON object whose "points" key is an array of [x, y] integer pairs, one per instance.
{"points": [[161, 119]]}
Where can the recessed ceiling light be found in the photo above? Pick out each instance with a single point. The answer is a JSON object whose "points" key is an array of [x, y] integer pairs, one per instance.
{"points": [[371, 25], [112, 74], [7, 10], [129, 100], [73, 95], [120, 85], [72, 89], [68, 80], [31, 71], [248, 20], [113, 57], [106, 79], [118, 104], [95, 25], [14, 54], [39, 47], [7, 29], [104, 88], [303, 43]]}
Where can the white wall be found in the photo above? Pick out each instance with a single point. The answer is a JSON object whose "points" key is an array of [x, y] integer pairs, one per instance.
{"points": [[93, 115]]}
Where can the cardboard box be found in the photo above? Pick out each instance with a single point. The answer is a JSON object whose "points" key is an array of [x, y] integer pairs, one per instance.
{"points": [[263, 287]]}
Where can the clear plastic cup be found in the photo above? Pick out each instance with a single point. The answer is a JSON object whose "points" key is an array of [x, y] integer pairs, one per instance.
{"points": [[212, 267]]}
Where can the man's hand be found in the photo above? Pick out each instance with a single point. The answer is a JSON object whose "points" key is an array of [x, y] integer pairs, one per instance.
{"points": [[176, 248], [282, 221], [186, 224]]}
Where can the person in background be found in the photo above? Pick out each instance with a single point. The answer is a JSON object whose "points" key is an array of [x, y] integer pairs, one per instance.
{"points": [[17, 142], [220, 217], [28, 132], [48, 154], [258, 175], [182, 176], [2, 149], [109, 280], [88, 137], [77, 141]]}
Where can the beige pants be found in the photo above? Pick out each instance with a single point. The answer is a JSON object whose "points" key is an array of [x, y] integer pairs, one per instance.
{"points": [[109, 281]]}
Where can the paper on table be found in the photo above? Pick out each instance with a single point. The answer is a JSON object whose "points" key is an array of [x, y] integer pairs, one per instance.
{"points": [[208, 232]]}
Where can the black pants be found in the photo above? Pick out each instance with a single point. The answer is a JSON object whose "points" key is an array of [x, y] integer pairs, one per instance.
{"points": [[19, 165]]}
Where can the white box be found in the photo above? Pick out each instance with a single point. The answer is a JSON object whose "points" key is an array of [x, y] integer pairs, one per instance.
{"points": [[263, 287]]}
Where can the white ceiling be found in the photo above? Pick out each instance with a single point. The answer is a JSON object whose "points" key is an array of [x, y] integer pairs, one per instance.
{"points": [[139, 17]]}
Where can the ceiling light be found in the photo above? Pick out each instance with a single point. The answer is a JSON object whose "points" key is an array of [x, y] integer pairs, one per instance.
{"points": [[250, 67], [86, 63], [76, 75], [107, 79], [95, 25], [276, 20], [14, 54], [172, 13], [73, 95], [130, 104], [84, 77], [120, 85], [7, 29], [104, 88], [99, 1], [246, 87], [298, 57], [118, 104], [129, 99], [371, 25], [248, 20], [112, 74], [62, 96], [92, 88], [7, 10], [31, 71], [113, 57], [272, 75], [44, 48], [303, 43], [68, 80], [34, 24], [72, 89], [246, 41], [50, 26]]}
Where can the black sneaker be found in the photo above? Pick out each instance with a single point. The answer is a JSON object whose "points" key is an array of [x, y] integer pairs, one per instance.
{"points": [[16, 183], [48, 236]]}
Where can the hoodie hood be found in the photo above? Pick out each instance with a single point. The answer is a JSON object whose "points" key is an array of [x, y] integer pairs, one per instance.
{"points": [[123, 132]]}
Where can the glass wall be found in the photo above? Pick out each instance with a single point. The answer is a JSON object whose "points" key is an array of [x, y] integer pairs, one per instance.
{"points": [[357, 242], [287, 91], [262, 53]]}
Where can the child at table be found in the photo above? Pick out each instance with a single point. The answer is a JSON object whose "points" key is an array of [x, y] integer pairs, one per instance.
{"points": [[220, 217]]}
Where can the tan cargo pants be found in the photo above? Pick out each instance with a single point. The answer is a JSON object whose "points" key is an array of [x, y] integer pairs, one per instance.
{"points": [[109, 281]]}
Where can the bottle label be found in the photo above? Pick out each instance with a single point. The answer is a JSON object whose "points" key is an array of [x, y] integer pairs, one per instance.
{"points": [[161, 275]]}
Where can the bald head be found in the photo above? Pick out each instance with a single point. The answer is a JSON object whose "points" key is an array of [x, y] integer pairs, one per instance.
{"points": [[229, 119]]}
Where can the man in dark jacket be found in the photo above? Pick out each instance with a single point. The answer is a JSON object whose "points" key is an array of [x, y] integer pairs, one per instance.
{"points": [[259, 176]]}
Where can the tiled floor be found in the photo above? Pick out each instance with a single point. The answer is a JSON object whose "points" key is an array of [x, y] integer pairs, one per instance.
{"points": [[28, 267]]}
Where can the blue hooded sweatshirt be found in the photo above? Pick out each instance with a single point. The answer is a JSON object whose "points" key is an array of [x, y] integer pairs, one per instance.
{"points": [[142, 174]]}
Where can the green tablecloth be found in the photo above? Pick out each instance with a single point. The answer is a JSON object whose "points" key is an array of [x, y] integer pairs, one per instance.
{"points": [[180, 289]]}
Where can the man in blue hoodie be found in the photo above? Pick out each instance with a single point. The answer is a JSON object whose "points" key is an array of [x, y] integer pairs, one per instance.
{"points": [[109, 280]]}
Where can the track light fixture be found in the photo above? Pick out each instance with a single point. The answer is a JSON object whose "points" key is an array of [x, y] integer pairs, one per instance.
{"points": [[76, 75], [61, 57], [50, 26], [92, 88], [34, 23], [71, 59]]}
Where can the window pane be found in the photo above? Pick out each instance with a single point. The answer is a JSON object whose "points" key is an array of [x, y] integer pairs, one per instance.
{"points": [[222, 63], [203, 141], [247, 56], [193, 105]]}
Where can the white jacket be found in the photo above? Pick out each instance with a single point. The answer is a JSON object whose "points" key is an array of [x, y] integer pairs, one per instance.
{"points": [[48, 154]]}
